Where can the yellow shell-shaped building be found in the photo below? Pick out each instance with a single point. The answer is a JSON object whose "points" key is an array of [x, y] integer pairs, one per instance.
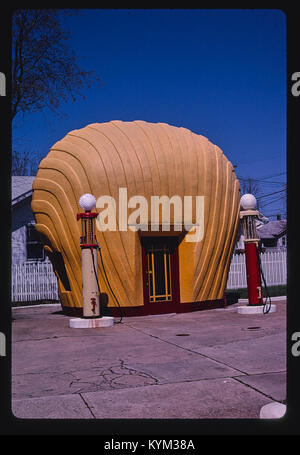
{"points": [[150, 270]]}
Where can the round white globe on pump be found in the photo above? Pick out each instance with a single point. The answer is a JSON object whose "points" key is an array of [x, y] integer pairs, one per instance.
{"points": [[87, 202], [248, 202]]}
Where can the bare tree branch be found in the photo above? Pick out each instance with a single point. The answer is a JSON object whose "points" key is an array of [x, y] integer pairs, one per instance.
{"points": [[24, 163], [44, 69]]}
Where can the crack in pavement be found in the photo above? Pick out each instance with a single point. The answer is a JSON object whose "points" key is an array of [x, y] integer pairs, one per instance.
{"points": [[257, 390], [97, 378], [113, 377], [243, 373], [189, 350], [87, 405], [57, 337], [119, 375]]}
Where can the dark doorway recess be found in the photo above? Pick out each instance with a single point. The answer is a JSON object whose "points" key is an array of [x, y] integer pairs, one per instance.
{"points": [[160, 274]]}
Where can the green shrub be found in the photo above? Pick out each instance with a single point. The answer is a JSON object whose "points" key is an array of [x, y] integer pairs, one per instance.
{"points": [[233, 295]]}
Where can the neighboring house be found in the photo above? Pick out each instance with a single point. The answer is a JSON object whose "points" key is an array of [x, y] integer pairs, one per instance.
{"points": [[273, 243], [271, 233], [32, 273], [25, 242]]}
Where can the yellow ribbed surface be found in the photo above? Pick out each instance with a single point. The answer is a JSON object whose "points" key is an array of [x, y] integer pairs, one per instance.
{"points": [[147, 159]]}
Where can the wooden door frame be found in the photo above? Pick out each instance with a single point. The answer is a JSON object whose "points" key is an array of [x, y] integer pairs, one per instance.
{"points": [[161, 307]]}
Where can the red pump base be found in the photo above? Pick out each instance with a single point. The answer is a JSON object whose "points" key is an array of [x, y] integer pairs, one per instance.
{"points": [[255, 296]]}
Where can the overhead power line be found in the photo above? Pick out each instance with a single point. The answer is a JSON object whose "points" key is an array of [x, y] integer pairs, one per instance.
{"points": [[271, 202], [274, 214], [267, 183], [259, 180], [272, 175], [275, 192]]}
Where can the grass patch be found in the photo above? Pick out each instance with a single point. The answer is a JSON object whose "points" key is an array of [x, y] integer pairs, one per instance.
{"points": [[34, 302], [233, 295]]}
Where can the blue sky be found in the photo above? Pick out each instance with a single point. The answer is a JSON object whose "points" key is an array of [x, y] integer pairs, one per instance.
{"points": [[219, 73]]}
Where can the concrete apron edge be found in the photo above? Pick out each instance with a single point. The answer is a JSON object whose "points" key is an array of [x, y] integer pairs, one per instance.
{"points": [[283, 297]]}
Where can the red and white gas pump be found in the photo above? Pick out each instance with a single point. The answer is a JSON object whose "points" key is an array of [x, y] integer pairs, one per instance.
{"points": [[89, 258], [249, 215], [89, 269], [251, 241]]}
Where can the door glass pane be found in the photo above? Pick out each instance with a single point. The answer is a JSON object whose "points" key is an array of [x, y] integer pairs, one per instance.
{"points": [[160, 286], [159, 273], [150, 276], [168, 272]]}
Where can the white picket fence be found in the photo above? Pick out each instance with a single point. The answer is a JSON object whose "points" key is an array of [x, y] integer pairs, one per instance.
{"points": [[273, 266], [33, 281], [37, 281]]}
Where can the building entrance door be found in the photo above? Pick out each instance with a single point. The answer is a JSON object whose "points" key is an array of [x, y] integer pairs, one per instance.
{"points": [[160, 272]]}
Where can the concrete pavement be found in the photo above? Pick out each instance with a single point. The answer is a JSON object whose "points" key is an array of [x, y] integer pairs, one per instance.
{"points": [[206, 364]]}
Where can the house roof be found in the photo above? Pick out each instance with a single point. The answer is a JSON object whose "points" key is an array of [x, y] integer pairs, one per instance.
{"points": [[273, 229], [21, 187]]}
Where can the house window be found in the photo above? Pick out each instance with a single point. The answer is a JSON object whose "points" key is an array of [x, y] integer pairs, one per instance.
{"points": [[270, 243], [34, 246]]}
